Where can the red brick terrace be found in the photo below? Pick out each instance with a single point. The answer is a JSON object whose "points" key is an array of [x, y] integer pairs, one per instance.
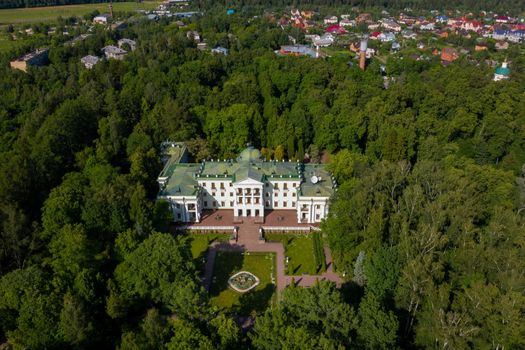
{"points": [[224, 217]]}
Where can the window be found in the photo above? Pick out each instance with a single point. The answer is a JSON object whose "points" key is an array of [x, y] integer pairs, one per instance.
{"points": [[294, 185], [231, 184], [284, 204], [231, 203], [293, 194], [222, 185], [317, 206], [239, 200], [285, 186], [267, 184], [205, 203], [257, 200], [222, 204], [178, 216], [275, 204], [316, 216], [276, 186], [267, 194], [286, 194], [213, 185], [248, 200], [214, 203], [178, 205], [231, 194], [293, 204]]}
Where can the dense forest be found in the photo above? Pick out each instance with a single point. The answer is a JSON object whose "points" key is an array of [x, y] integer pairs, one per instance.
{"points": [[427, 225], [486, 5]]}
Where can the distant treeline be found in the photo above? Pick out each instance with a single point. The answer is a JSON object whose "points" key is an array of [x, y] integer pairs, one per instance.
{"points": [[472, 5], [4, 4]]}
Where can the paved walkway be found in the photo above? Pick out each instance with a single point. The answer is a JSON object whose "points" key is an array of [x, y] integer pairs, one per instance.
{"points": [[248, 240]]}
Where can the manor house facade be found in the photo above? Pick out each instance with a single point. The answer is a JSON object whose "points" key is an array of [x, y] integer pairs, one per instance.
{"points": [[248, 185]]}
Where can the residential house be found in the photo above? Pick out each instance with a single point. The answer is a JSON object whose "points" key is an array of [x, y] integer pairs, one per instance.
{"points": [[118, 25], [475, 26], [89, 61], [443, 34], [503, 19], [501, 45], [408, 34], [516, 36], [347, 23], [391, 25], [152, 17], [363, 17], [335, 29], [331, 20], [220, 50], [449, 55], [102, 19], [425, 25], [374, 35], [441, 19], [387, 37], [307, 14], [326, 40], [127, 42], [502, 73], [297, 50], [38, 57], [500, 34], [114, 52], [193, 35], [480, 47]]}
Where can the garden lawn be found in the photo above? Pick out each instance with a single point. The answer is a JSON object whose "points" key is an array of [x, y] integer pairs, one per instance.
{"points": [[257, 300], [200, 243], [299, 248], [50, 13]]}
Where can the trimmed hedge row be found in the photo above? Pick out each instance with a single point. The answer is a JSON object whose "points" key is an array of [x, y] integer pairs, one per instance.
{"points": [[319, 257]]}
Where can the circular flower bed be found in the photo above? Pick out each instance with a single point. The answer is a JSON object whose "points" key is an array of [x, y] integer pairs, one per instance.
{"points": [[243, 281]]}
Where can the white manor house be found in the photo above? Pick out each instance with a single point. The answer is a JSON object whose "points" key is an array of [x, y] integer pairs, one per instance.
{"points": [[248, 185]]}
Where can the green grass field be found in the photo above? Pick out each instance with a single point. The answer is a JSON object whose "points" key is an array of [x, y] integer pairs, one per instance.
{"points": [[257, 300], [6, 45], [45, 14], [200, 243], [299, 249]]}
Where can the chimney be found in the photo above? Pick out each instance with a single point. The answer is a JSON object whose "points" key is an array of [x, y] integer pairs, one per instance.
{"points": [[362, 52], [111, 8]]}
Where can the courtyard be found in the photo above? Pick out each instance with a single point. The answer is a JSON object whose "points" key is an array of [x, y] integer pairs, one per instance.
{"points": [[260, 264]]}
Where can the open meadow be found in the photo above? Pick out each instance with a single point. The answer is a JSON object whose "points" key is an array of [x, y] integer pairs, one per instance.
{"points": [[43, 14]]}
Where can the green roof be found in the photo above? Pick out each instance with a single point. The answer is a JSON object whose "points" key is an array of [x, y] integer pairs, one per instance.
{"points": [[322, 188], [171, 154], [182, 178], [250, 154], [182, 181], [502, 71]]}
